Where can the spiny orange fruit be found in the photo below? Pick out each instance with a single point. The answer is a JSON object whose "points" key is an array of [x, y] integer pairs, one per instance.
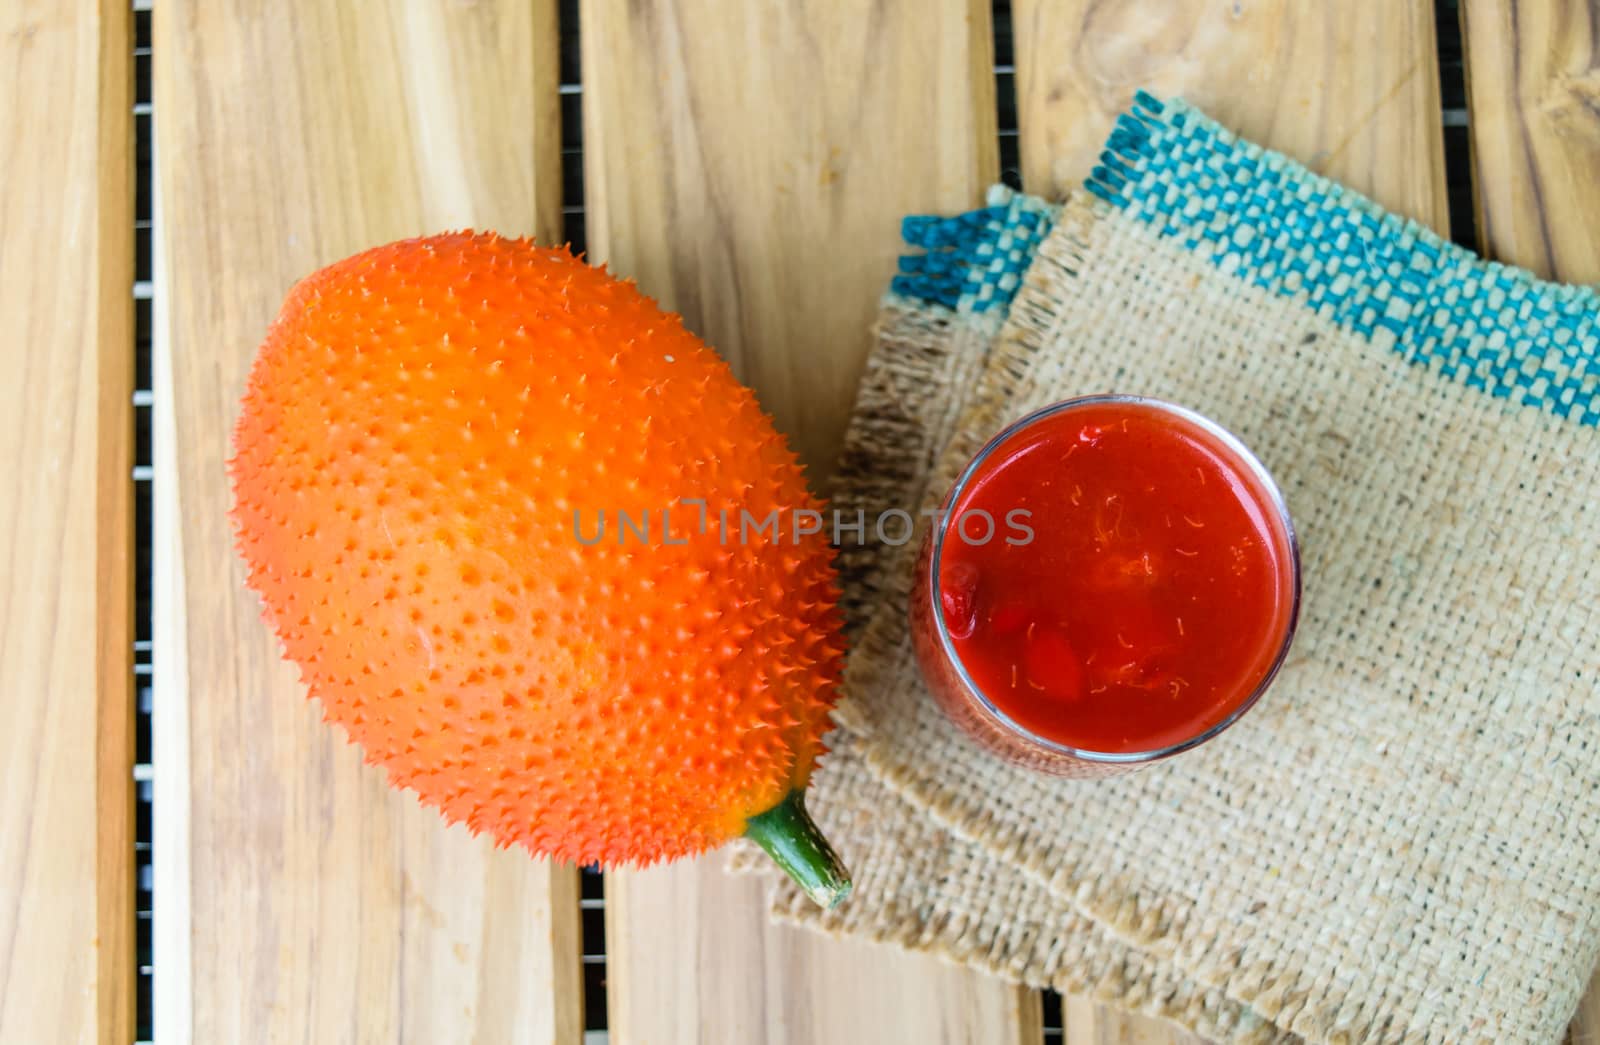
{"points": [[432, 436]]}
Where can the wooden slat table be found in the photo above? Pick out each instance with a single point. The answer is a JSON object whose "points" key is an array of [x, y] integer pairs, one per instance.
{"points": [[748, 164]]}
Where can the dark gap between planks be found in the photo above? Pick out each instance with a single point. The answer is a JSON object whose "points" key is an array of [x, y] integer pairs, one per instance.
{"points": [[144, 981]]}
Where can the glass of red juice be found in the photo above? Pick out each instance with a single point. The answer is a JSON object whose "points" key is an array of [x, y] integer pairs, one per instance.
{"points": [[1113, 579]]}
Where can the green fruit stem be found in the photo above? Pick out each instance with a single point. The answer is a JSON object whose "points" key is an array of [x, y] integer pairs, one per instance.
{"points": [[790, 837]]}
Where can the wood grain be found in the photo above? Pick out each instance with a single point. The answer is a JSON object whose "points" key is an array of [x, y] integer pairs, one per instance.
{"points": [[1086, 1022], [749, 165], [711, 975], [1533, 75], [1350, 89], [298, 898], [66, 525]]}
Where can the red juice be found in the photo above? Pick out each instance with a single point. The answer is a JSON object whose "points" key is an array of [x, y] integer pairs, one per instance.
{"points": [[1137, 586]]}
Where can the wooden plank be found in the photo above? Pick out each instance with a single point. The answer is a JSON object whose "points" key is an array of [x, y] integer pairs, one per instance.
{"points": [[1349, 89], [1087, 1022], [749, 165], [1534, 97], [1585, 1027], [300, 899], [1534, 116], [66, 528], [689, 959]]}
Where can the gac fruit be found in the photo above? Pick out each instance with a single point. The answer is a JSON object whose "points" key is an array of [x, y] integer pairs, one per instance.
{"points": [[537, 551]]}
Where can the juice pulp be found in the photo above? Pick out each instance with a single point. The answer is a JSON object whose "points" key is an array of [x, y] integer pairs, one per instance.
{"points": [[1153, 597]]}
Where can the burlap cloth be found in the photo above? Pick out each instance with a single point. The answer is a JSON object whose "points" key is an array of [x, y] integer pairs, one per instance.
{"points": [[1399, 843]]}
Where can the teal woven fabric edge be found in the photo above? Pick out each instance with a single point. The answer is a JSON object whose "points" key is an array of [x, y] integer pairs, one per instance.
{"points": [[1262, 217], [973, 262]]}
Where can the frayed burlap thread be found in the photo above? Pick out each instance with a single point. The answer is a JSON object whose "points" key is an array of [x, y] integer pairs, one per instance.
{"points": [[1399, 842]]}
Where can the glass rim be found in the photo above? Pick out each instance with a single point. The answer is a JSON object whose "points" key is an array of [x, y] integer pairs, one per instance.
{"points": [[943, 524]]}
